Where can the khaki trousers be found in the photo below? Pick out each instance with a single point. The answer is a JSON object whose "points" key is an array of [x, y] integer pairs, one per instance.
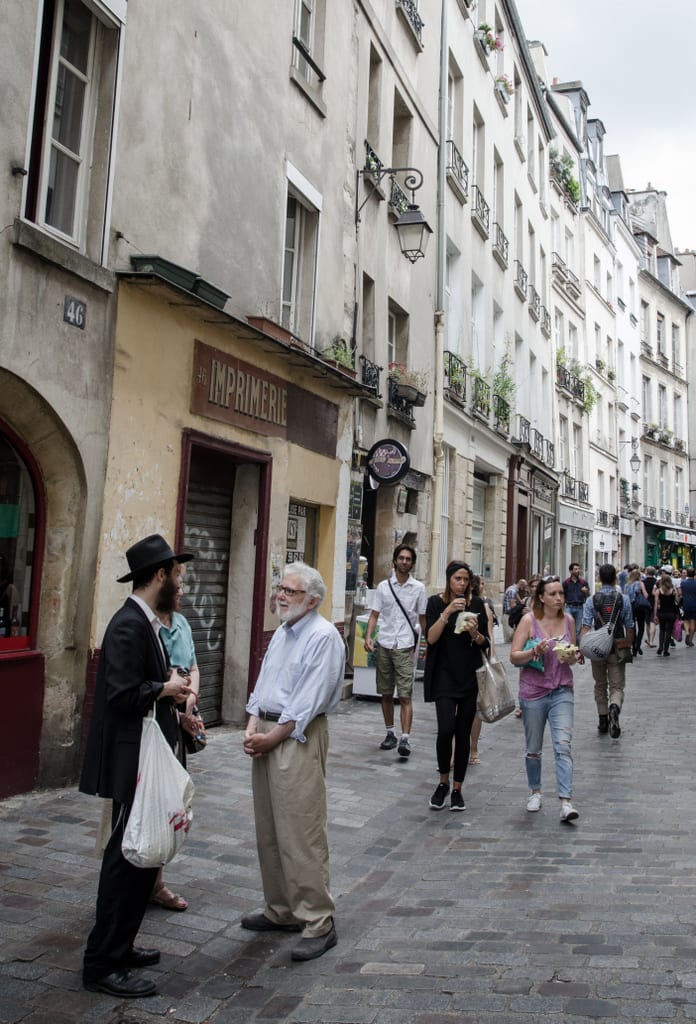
{"points": [[289, 788], [609, 678]]}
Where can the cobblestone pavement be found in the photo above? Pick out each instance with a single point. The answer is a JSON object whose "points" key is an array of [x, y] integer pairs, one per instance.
{"points": [[493, 915]]}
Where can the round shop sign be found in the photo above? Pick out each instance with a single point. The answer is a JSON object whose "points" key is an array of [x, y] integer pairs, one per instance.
{"points": [[388, 461]]}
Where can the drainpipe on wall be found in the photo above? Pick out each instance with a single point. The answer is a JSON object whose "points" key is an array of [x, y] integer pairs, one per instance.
{"points": [[438, 425]]}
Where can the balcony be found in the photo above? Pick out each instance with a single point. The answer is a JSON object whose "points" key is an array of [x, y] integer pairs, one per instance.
{"points": [[569, 382], [537, 444], [573, 286], [455, 378], [568, 485], [369, 375], [521, 280], [522, 428], [501, 415], [501, 246], [534, 303], [409, 10], [545, 322], [602, 517], [481, 404], [457, 172], [558, 268], [583, 492], [480, 212], [399, 407], [398, 200]]}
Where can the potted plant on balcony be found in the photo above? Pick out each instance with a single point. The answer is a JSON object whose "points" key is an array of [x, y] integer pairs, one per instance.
{"points": [[505, 87], [488, 39], [340, 354], [411, 385]]}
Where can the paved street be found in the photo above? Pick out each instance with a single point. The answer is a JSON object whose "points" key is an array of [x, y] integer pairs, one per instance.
{"points": [[491, 915]]}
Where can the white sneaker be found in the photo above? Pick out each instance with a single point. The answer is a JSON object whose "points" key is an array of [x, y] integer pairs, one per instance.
{"points": [[568, 812], [534, 802]]}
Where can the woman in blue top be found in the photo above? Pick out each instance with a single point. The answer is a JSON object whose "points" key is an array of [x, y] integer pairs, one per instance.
{"points": [[547, 696], [175, 633]]}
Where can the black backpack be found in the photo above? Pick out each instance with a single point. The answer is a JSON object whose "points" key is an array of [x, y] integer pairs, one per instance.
{"points": [[516, 614]]}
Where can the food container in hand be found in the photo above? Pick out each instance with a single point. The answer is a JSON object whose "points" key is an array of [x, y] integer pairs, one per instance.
{"points": [[466, 622]]}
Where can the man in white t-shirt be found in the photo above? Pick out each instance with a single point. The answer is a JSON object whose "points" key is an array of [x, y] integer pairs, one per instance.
{"points": [[399, 604]]}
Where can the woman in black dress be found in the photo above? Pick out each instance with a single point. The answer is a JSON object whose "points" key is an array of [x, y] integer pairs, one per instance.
{"points": [[454, 654]]}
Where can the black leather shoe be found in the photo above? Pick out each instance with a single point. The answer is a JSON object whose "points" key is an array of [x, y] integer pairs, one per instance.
{"points": [[122, 984], [389, 742], [603, 725], [143, 957], [260, 923], [310, 949]]}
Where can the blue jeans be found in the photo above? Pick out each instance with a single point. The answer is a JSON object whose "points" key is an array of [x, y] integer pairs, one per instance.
{"points": [[556, 708], [576, 611]]}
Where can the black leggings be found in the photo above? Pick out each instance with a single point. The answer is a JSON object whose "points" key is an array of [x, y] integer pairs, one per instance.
{"points": [[639, 626], [454, 720], [666, 626]]}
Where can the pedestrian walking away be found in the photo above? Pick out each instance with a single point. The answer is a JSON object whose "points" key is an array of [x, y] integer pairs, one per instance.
{"points": [[609, 674], [287, 738], [665, 613], [688, 590], [399, 608], [133, 675], [544, 647], [457, 633]]}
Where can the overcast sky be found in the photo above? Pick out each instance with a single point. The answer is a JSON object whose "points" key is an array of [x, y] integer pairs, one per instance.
{"points": [[637, 63]]}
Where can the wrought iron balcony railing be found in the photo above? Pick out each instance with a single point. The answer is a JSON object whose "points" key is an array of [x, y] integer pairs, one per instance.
{"points": [[370, 375], [481, 404], [398, 404], [481, 211], [501, 246], [457, 168], [410, 9], [534, 302], [501, 414], [455, 377], [521, 280], [583, 492]]}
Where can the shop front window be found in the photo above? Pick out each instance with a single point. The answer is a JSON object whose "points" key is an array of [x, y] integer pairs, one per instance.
{"points": [[301, 539], [17, 540]]}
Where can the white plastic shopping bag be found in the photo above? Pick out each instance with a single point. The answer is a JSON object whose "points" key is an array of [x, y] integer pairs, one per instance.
{"points": [[161, 814]]}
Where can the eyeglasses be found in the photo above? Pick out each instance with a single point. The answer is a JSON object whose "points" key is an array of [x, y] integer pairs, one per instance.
{"points": [[289, 592]]}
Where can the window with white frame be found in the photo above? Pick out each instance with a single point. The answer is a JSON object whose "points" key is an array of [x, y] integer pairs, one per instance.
{"points": [[308, 43], [678, 491], [300, 252], [644, 322], [576, 452], [662, 486], [73, 121], [397, 334], [676, 360], [646, 397], [661, 347], [662, 406], [678, 425]]}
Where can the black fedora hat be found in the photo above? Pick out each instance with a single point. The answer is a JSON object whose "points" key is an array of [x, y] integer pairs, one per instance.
{"points": [[148, 553]]}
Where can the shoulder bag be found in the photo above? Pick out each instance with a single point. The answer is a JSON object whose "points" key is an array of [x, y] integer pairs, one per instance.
{"points": [[494, 700], [598, 644]]}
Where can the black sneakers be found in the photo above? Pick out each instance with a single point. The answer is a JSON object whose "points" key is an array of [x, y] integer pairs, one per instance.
{"points": [[437, 800], [404, 747], [603, 725], [457, 800], [614, 727], [389, 742]]}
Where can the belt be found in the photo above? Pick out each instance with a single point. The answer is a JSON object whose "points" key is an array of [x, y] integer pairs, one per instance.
{"points": [[269, 716]]}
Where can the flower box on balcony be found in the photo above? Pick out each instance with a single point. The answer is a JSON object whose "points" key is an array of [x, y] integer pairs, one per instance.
{"points": [[410, 394]]}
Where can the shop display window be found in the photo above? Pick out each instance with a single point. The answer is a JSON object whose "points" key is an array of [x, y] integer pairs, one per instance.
{"points": [[17, 541]]}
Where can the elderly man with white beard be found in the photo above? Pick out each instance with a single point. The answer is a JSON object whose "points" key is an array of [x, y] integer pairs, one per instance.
{"points": [[287, 737]]}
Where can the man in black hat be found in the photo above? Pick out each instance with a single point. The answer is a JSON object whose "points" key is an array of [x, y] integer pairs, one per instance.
{"points": [[133, 675]]}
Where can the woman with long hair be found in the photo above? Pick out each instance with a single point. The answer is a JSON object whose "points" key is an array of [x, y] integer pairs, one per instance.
{"points": [[546, 694], [665, 611], [456, 641], [640, 606]]}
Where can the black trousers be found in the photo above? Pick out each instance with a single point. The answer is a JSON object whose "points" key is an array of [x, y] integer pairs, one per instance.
{"points": [[454, 721], [122, 898]]}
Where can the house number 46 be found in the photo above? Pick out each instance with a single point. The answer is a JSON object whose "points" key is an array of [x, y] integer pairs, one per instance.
{"points": [[74, 312]]}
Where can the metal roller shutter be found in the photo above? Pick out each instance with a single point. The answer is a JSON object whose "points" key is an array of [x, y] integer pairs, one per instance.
{"points": [[207, 536]]}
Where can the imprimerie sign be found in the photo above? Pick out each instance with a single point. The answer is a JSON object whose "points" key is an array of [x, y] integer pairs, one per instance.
{"points": [[231, 391]]}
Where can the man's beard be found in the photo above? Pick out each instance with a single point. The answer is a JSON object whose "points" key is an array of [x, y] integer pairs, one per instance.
{"points": [[285, 614], [166, 601]]}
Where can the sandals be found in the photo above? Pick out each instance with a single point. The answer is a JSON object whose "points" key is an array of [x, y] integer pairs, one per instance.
{"points": [[474, 759], [164, 897]]}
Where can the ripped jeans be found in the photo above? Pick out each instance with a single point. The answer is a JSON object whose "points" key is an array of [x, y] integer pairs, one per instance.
{"points": [[556, 708]]}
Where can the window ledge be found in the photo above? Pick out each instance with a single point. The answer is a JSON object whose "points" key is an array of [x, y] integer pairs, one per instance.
{"points": [[46, 247], [311, 94]]}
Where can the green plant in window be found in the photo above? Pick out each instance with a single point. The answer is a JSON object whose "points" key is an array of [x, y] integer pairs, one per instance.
{"points": [[341, 352], [590, 394], [503, 381]]}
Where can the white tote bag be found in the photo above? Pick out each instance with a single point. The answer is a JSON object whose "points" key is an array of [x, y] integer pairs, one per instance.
{"points": [[161, 814]]}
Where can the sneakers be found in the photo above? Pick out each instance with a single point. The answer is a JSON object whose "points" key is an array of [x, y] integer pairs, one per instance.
{"points": [[534, 802], [456, 800], [614, 727], [603, 724], [389, 742], [404, 747], [437, 800], [568, 812]]}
